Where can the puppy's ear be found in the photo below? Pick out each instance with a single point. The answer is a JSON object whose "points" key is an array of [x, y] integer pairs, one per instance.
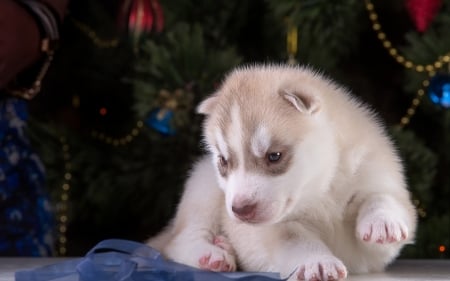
{"points": [[304, 103], [207, 105]]}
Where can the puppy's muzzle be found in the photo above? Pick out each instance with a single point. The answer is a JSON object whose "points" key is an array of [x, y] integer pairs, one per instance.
{"points": [[244, 211]]}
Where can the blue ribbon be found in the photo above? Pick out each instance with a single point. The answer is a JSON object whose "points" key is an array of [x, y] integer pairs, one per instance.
{"points": [[124, 260]]}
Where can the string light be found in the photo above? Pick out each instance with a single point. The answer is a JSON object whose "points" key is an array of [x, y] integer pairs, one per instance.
{"points": [[76, 101], [103, 111]]}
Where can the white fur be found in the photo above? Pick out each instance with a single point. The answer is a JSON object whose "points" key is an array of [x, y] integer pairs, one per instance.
{"points": [[222, 145], [337, 204], [260, 141], [235, 131]]}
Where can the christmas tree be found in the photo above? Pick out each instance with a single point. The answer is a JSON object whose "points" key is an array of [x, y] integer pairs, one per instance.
{"points": [[116, 126]]}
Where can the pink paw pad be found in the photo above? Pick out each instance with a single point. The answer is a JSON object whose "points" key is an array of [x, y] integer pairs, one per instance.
{"points": [[220, 257], [382, 230], [207, 263], [327, 270]]}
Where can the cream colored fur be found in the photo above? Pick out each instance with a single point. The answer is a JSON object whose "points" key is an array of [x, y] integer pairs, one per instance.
{"points": [[300, 176]]}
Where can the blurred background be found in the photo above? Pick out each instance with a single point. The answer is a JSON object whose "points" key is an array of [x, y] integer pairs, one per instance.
{"points": [[115, 122]]}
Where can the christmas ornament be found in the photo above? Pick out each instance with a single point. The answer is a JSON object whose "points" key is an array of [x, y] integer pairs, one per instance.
{"points": [[140, 17], [161, 118], [291, 42], [423, 12], [439, 90]]}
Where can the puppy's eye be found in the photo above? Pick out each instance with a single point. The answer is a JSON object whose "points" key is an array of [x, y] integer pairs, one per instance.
{"points": [[274, 157]]}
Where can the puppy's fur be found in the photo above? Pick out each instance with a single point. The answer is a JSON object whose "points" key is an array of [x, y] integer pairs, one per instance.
{"points": [[300, 177]]}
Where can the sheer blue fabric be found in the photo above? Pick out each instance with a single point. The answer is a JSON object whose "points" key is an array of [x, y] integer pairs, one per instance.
{"points": [[123, 260]]}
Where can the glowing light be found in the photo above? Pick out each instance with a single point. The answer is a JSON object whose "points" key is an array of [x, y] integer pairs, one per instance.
{"points": [[442, 248], [103, 111], [76, 101]]}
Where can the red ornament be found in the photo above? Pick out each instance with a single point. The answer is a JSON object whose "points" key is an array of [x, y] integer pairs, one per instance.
{"points": [[140, 17], [423, 12]]}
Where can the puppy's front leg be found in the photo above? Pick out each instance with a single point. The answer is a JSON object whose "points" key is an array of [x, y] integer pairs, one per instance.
{"points": [[194, 238], [383, 219]]}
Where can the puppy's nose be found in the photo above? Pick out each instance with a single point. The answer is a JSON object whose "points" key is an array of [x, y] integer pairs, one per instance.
{"points": [[244, 211]]}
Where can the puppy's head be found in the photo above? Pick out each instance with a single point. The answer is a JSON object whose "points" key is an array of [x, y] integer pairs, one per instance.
{"points": [[270, 141]]}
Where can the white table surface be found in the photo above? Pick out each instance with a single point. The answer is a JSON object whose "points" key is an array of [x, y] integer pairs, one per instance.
{"points": [[402, 270]]}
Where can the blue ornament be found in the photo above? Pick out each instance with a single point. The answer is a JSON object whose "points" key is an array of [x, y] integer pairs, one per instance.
{"points": [[439, 90], [160, 119]]}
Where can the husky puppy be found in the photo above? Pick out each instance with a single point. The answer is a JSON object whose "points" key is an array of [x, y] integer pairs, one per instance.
{"points": [[300, 177]]}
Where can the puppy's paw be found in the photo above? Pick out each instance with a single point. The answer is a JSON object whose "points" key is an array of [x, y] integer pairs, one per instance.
{"points": [[381, 227], [321, 268], [218, 256]]}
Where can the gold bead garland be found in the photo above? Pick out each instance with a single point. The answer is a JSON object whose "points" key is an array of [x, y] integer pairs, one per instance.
{"points": [[63, 206], [103, 43], [96, 40], [404, 121], [395, 53], [35, 88], [134, 132], [430, 69]]}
